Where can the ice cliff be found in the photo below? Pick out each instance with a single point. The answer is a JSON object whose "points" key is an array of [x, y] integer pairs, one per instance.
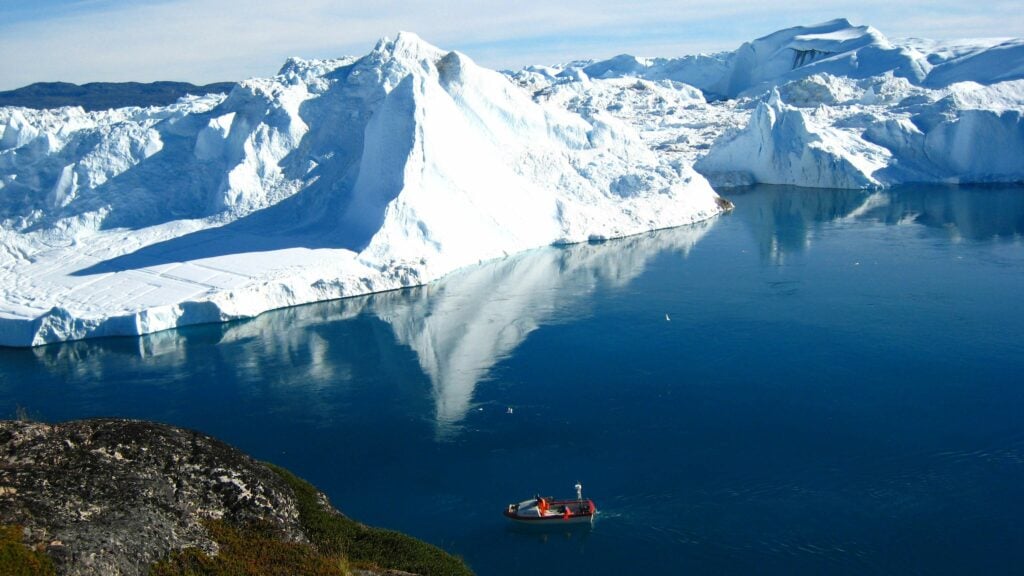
{"points": [[333, 178]]}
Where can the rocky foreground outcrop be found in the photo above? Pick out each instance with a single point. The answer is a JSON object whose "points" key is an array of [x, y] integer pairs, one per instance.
{"points": [[112, 496]]}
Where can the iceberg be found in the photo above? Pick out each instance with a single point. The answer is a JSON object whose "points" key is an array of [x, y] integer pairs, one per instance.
{"points": [[829, 105], [783, 145], [334, 178], [348, 176], [965, 133], [836, 47]]}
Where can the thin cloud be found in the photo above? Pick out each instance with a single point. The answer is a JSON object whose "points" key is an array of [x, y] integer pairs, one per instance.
{"points": [[202, 41]]}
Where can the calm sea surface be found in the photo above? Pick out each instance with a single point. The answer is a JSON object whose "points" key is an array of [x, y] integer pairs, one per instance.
{"points": [[820, 382]]}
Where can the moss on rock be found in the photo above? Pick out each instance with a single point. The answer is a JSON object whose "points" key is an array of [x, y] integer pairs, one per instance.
{"points": [[17, 559]]}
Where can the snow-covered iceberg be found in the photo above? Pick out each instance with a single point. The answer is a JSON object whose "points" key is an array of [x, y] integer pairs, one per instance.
{"points": [[830, 105], [967, 132], [331, 179], [782, 145], [356, 175], [836, 47]]}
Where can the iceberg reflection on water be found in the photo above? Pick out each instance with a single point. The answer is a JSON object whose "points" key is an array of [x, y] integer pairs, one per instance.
{"points": [[456, 330], [784, 219], [459, 326], [795, 415]]}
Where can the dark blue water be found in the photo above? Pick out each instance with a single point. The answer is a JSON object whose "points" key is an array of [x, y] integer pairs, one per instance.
{"points": [[820, 382]]}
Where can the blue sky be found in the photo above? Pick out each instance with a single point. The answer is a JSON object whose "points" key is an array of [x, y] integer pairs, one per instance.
{"points": [[210, 40]]}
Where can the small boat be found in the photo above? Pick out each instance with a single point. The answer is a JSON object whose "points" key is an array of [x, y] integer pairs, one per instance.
{"points": [[548, 510]]}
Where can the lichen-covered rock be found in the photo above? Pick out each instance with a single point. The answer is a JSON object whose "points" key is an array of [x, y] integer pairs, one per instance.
{"points": [[113, 496]]}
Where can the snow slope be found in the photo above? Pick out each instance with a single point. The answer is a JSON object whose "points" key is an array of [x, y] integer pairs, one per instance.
{"points": [[333, 178]]}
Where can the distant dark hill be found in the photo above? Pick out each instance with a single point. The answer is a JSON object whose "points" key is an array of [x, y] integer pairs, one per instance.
{"points": [[104, 95]]}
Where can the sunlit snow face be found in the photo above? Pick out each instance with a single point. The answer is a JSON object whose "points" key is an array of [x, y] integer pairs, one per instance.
{"points": [[332, 179]]}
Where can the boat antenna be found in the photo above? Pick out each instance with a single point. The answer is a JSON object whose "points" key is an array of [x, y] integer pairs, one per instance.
{"points": [[579, 490]]}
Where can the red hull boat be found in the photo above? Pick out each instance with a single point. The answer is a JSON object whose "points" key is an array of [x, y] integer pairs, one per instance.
{"points": [[547, 510]]}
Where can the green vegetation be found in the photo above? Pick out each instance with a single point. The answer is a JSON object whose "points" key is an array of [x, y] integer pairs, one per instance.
{"points": [[367, 547], [336, 543], [16, 559], [252, 551]]}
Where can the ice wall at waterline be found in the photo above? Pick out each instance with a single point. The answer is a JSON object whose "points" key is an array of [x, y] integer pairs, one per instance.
{"points": [[332, 179]]}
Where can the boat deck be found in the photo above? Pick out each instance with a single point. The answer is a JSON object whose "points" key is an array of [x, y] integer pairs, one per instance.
{"points": [[550, 509]]}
